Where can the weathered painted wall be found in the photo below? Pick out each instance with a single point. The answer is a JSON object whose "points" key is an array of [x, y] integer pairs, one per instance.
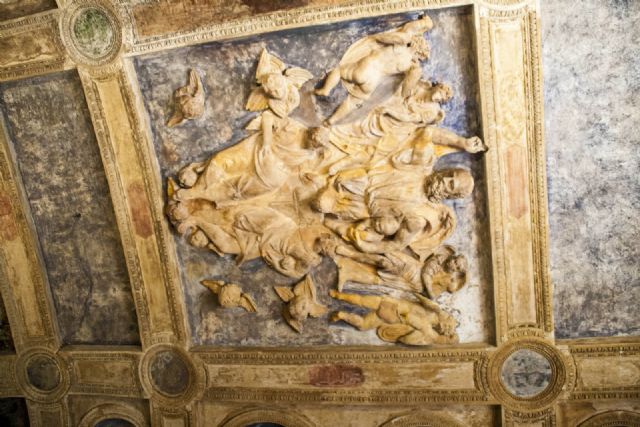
{"points": [[227, 71], [591, 54], [50, 131]]}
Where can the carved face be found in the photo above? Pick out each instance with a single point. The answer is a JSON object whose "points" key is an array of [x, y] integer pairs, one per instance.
{"points": [[446, 324], [198, 239], [441, 93], [456, 264], [275, 86], [299, 307], [229, 295], [387, 225], [449, 184]]}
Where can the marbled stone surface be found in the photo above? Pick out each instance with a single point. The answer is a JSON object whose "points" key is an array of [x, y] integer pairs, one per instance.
{"points": [[50, 130], [526, 373], [6, 340], [227, 70], [591, 59]]}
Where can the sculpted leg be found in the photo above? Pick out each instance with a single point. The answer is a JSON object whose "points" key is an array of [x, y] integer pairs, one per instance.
{"points": [[369, 321], [331, 81], [348, 105], [368, 301]]}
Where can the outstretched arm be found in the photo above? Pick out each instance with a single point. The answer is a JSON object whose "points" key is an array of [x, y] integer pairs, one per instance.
{"points": [[411, 79], [394, 37], [446, 137]]}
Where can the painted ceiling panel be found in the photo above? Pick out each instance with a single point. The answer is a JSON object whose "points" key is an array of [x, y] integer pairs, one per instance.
{"points": [[59, 161], [592, 111]]}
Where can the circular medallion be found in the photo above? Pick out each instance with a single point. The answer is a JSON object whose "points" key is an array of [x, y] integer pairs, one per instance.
{"points": [[528, 374], [43, 372], [169, 373], [42, 375], [525, 373], [170, 376], [91, 32]]}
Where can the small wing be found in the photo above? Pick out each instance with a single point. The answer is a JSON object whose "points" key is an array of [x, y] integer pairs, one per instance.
{"points": [[294, 323], [257, 101], [213, 285], [298, 76], [306, 288], [284, 293], [268, 64], [195, 84], [247, 303], [176, 118]]}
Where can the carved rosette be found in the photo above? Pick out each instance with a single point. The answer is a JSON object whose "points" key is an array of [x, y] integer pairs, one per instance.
{"points": [[171, 376], [42, 375], [91, 33]]}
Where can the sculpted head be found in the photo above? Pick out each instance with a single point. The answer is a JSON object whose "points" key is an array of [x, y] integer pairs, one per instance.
{"points": [[275, 85], [448, 184], [386, 225], [441, 93], [420, 47], [299, 307], [446, 325], [229, 295]]}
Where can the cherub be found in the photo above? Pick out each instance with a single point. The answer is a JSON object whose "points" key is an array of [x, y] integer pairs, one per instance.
{"points": [[396, 320], [230, 295], [368, 61], [444, 270], [301, 302], [189, 101]]}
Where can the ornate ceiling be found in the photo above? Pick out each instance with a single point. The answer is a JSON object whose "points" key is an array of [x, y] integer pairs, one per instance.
{"points": [[115, 116]]}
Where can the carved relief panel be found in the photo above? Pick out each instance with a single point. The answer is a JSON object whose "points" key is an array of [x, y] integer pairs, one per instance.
{"points": [[354, 173]]}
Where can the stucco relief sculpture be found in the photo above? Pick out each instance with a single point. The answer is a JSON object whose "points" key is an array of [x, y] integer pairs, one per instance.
{"points": [[301, 303], [362, 191], [188, 101], [230, 295]]}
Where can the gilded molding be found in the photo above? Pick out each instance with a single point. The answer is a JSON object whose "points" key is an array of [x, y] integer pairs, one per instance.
{"points": [[272, 415], [110, 410], [22, 276], [613, 419], [422, 419], [284, 20]]}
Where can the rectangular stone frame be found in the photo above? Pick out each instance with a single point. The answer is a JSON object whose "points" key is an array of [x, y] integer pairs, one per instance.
{"points": [[507, 43]]}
